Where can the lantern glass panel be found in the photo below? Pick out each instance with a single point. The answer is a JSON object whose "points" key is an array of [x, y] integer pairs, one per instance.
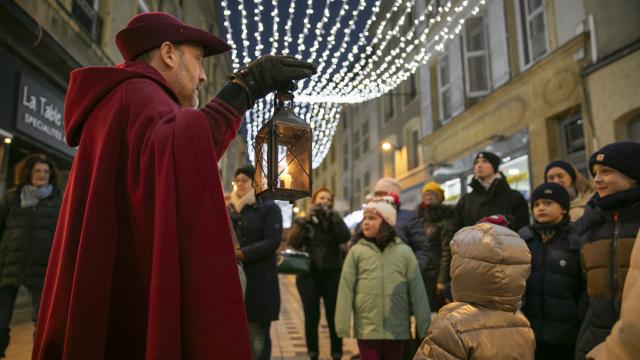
{"points": [[260, 182], [294, 162]]}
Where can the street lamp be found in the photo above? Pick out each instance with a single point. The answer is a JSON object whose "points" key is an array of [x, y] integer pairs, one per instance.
{"points": [[283, 154], [387, 146]]}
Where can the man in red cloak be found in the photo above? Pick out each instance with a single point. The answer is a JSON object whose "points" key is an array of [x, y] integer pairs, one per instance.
{"points": [[142, 265]]}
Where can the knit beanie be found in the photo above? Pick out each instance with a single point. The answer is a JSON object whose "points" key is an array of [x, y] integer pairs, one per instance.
{"points": [[491, 158], [435, 187], [500, 220], [552, 191], [381, 206], [562, 165], [623, 156], [388, 185]]}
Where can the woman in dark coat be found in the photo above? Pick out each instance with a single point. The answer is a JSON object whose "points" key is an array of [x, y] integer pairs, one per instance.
{"points": [[28, 217], [438, 220], [258, 227], [320, 234]]}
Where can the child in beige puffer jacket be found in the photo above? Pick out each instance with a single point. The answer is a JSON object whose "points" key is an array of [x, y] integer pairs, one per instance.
{"points": [[490, 265]]}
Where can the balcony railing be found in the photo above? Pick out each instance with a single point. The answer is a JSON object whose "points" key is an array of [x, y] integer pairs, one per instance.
{"points": [[88, 18]]}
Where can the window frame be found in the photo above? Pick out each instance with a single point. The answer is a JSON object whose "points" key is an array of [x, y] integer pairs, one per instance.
{"points": [[466, 54], [414, 153], [524, 31], [442, 89]]}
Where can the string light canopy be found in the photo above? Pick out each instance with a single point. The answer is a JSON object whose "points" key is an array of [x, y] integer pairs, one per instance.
{"points": [[363, 49]]}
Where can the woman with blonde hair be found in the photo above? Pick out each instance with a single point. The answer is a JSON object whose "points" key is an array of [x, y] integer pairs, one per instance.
{"points": [[579, 188]]}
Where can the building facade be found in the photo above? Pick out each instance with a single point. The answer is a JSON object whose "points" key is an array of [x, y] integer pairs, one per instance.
{"points": [[524, 79], [531, 80], [41, 42]]}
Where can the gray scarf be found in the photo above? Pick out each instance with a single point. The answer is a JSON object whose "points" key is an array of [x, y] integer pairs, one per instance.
{"points": [[31, 195]]}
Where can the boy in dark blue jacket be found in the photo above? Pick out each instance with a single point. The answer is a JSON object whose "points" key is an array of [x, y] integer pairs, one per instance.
{"points": [[555, 286]]}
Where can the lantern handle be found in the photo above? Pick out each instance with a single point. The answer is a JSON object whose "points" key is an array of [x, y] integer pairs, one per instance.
{"points": [[280, 98]]}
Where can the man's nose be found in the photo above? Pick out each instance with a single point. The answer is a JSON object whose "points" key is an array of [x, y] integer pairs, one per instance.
{"points": [[203, 77]]}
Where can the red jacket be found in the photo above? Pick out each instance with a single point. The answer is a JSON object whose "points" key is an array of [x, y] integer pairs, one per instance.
{"points": [[142, 265]]}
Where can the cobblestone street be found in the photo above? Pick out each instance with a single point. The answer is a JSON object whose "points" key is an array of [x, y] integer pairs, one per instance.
{"points": [[287, 334]]}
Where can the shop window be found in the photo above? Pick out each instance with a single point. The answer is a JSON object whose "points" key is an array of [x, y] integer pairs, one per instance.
{"points": [[533, 30], [476, 57], [414, 153], [86, 14], [452, 191], [633, 129], [517, 173]]}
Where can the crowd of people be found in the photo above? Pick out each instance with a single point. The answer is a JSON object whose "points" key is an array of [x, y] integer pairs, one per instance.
{"points": [[508, 279], [133, 264]]}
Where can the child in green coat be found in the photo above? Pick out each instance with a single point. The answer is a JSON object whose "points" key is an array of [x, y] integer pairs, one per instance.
{"points": [[382, 286]]}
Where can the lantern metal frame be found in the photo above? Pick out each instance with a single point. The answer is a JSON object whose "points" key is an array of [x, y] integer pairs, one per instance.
{"points": [[283, 115]]}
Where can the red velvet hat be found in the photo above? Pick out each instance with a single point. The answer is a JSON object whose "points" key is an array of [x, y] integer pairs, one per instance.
{"points": [[149, 30]]}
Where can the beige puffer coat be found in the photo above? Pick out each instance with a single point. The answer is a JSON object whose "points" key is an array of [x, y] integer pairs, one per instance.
{"points": [[489, 268]]}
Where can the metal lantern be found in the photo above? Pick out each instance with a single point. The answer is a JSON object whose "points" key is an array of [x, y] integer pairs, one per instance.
{"points": [[283, 154]]}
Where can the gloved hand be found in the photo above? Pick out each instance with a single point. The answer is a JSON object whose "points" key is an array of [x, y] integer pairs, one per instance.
{"points": [[269, 73]]}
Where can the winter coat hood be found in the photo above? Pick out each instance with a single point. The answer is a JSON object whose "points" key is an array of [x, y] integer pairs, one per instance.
{"points": [[89, 85], [490, 265]]}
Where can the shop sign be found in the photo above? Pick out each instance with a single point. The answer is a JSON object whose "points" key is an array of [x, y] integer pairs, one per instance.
{"points": [[40, 114]]}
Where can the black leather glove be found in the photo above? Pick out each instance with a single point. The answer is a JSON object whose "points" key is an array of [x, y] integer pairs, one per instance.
{"points": [[269, 73]]}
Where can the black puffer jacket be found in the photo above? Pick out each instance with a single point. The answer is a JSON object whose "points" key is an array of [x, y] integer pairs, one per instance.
{"points": [[608, 231], [555, 298], [27, 236], [320, 235], [499, 199], [439, 225]]}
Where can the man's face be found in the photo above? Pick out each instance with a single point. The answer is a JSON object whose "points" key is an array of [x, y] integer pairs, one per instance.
{"points": [[482, 168], [189, 74]]}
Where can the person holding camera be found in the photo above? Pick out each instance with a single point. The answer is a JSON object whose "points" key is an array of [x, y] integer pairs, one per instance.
{"points": [[320, 234]]}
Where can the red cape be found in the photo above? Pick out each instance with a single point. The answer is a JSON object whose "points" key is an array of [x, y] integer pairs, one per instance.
{"points": [[142, 265]]}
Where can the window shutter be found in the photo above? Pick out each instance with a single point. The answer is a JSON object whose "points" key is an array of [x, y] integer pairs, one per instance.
{"points": [[456, 78], [498, 43], [569, 16], [425, 100]]}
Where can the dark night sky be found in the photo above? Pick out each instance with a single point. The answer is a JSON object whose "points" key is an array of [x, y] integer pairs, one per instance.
{"points": [[297, 24]]}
